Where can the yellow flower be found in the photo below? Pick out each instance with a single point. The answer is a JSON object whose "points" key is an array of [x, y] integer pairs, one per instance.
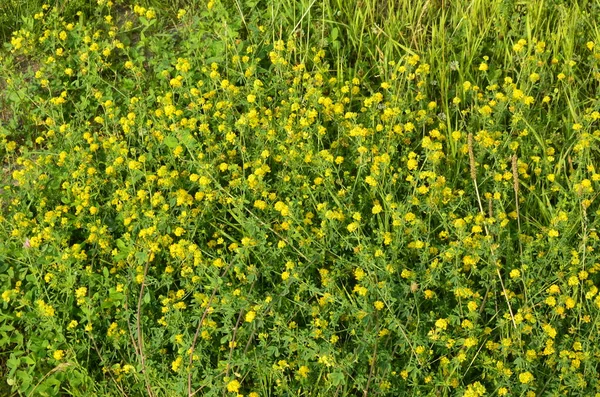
{"points": [[472, 306], [46, 310], [283, 209], [526, 377], [412, 164], [379, 305], [58, 354], [352, 227], [233, 386], [467, 324], [441, 324], [475, 390], [359, 289], [359, 273], [549, 330], [250, 316], [260, 204], [554, 289], [80, 292], [534, 77], [550, 301], [303, 371], [176, 365], [6, 295], [176, 82], [371, 181]]}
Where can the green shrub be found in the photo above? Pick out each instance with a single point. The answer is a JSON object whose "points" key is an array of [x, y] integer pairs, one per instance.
{"points": [[205, 206]]}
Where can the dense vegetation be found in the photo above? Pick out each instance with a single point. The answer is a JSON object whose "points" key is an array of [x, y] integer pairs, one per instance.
{"points": [[273, 198]]}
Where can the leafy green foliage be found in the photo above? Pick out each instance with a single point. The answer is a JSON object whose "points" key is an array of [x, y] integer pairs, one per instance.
{"points": [[326, 200]]}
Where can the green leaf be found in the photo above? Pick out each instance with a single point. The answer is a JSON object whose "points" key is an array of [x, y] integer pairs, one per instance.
{"points": [[171, 142], [334, 34], [13, 362], [142, 257], [28, 360], [115, 296], [337, 378]]}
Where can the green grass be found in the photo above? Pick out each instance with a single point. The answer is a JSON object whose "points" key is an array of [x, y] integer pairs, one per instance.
{"points": [[303, 198]]}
